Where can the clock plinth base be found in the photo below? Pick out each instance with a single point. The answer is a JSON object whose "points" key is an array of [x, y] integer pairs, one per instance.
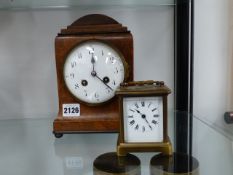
{"points": [[111, 164], [176, 164], [164, 147], [63, 125]]}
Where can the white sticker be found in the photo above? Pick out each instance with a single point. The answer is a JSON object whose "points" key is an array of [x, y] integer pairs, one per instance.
{"points": [[74, 162], [71, 110]]}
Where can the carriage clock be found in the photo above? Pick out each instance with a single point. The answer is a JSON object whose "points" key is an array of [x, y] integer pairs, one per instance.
{"points": [[93, 56], [143, 117]]}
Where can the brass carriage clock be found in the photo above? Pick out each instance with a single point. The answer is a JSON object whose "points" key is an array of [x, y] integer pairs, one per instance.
{"points": [[143, 117], [93, 56]]}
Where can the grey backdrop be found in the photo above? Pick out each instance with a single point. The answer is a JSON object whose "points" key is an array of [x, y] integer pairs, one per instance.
{"points": [[28, 86]]}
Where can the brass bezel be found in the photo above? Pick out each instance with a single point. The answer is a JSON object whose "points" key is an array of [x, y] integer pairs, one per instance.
{"points": [[125, 65]]}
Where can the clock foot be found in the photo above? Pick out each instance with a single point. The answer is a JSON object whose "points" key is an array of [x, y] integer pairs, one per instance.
{"points": [[58, 135]]}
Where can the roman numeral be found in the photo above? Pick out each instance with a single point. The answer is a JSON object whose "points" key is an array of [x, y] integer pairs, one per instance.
{"points": [[156, 115], [154, 122], [132, 122], [136, 127], [154, 109], [130, 116], [132, 110], [143, 103], [149, 104], [136, 105], [143, 128]]}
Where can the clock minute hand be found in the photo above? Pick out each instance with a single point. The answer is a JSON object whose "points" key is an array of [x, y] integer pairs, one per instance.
{"points": [[148, 123], [144, 117], [103, 81], [94, 74]]}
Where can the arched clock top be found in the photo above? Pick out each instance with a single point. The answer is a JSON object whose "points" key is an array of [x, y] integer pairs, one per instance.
{"points": [[94, 24], [94, 19]]}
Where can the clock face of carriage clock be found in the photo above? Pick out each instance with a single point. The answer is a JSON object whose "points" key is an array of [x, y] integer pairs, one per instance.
{"points": [[143, 117], [93, 56]]}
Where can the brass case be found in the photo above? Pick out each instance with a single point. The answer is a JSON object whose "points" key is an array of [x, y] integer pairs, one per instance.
{"points": [[143, 89]]}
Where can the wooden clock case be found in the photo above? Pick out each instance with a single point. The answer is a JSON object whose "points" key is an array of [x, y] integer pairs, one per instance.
{"points": [[100, 118]]}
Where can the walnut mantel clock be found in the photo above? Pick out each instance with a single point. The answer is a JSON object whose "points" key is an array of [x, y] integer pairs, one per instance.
{"points": [[93, 56], [143, 117]]}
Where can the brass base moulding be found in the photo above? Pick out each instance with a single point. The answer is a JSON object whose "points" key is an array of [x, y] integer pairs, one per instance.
{"points": [[163, 147]]}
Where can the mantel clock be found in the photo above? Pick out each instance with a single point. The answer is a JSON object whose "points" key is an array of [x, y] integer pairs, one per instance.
{"points": [[93, 56], [143, 117]]}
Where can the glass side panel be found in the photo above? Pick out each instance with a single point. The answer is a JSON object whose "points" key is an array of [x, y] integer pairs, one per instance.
{"points": [[213, 147], [18, 4], [220, 126]]}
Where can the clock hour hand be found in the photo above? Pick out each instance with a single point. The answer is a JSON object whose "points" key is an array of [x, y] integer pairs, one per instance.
{"points": [[138, 111], [94, 74], [144, 117], [93, 61]]}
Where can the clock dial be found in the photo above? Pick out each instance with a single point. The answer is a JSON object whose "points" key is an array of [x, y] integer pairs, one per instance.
{"points": [[143, 119], [93, 71]]}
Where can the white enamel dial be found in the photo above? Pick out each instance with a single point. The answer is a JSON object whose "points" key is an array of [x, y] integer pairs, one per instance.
{"points": [[143, 119], [93, 71]]}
